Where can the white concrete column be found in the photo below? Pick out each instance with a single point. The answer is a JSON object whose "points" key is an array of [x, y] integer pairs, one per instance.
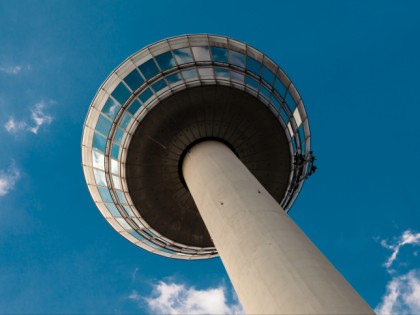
{"points": [[273, 266]]}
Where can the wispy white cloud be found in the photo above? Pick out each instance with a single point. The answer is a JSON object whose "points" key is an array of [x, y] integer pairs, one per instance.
{"points": [[402, 295], [406, 238], [173, 298], [8, 179], [38, 118], [14, 69]]}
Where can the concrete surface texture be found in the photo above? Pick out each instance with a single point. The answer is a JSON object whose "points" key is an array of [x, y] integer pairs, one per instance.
{"points": [[273, 266]]}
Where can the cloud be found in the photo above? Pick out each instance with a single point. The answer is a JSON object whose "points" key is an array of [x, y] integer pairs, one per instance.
{"points": [[38, 118], [8, 179], [14, 69], [406, 238], [173, 298], [402, 295]]}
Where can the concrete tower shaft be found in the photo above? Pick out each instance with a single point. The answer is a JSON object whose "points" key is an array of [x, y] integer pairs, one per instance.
{"points": [[273, 266]]}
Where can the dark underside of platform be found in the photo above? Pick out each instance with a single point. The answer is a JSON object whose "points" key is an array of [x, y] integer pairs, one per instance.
{"points": [[152, 166]]}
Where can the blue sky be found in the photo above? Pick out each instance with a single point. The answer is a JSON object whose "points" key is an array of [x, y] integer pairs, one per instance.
{"points": [[356, 65]]}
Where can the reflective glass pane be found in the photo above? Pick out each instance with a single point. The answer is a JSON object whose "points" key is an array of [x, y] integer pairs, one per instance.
{"points": [[103, 125], [113, 209], [173, 78], [206, 73], [134, 107], [222, 72], [126, 119], [294, 143], [116, 181], [98, 160], [115, 151], [134, 80], [267, 75], [111, 108], [105, 195], [219, 54], [149, 69], [136, 235], [100, 178], [189, 74], [264, 91], [150, 244], [124, 224], [284, 115], [114, 166], [121, 93], [165, 61], [280, 88], [121, 197], [201, 53], [289, 100], [251, 82], [237, 76], [275, 102], [129, 212], [119, 135], [253, 65], [145, 95], [99, 142], [237, 58], [183, 55], [297, 118], [289, 126], [159, 85]]}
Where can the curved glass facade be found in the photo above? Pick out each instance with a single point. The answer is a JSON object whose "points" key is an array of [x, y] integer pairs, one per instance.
{"points": [[155, 73]]}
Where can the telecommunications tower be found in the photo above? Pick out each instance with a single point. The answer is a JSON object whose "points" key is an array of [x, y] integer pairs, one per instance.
{"points": [[197, 146]]}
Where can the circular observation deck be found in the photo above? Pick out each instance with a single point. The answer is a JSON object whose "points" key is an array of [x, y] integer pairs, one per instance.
{"points": [[159, 103]]}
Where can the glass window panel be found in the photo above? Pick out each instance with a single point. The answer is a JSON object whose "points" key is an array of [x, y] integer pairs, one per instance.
{"points": [[145, 95], [99, 142], [113, 209], [201, 53], [237, 58], [173, 78], [253, 65], [149, 69], [284, 115], [290, 101], [297, 118], [115, 151], [159, 85], [111, 108], [119, 135], [264, 91], [166, 61], [183, 55], [275, 102], [105, 195], [98, 160], [121, 196], [206, 73], [267, 75], [150, 244], [222, 72], [134, 80], [189, 74], [124, 224], [280, 88], [103, 125], [121, 93], [251, 82], [219, 54], [134, 107], [290, 128], [100, 178], [116, 181], [126, 119], [237, 76], [137, 221], [294, 143], [114, 166], [136, 235], [129, 211]]}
